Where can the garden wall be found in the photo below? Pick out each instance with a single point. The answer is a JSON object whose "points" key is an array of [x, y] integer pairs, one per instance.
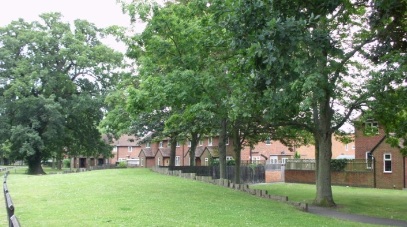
{"points": [[356, 179]]}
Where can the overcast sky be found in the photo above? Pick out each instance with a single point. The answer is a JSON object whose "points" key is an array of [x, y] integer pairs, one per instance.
{"points": [[102, 13]]}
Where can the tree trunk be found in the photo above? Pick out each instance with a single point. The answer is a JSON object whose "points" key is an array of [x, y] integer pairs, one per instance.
{"points": [[237, 148], [324, 190], [194, 143], [34, 164], [222, 149], [323, 138], [173, 151]]}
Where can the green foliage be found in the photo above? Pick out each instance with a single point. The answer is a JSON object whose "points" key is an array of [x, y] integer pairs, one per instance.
{"points": [[338, 164], [122, 165], [55, 76], [297, 155], [231, 162], [67, 163]]}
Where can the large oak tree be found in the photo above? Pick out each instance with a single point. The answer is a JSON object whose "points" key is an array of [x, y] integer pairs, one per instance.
{"points": [[54, 77]]}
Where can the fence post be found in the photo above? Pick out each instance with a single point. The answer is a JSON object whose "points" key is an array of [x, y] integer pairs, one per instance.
{"points": [[9, 207]]}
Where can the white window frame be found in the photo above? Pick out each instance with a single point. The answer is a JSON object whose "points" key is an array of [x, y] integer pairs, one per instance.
{"points": [[206, 161], [130, 149], [178, 144], [256, 159], [142, 162], [115, 149], [273, 159], [158, 161], [189, 143], [210, 141], [386, 160], [227, 141], [148, 145], [284, 160], [161, 144], [229, 158], [177, 160], [200, 143], [268, 141], [372, 124], [369, 165]]}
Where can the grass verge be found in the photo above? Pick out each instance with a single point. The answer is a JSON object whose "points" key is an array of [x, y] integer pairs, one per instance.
{"points": [[139, 197], [384, 203]]}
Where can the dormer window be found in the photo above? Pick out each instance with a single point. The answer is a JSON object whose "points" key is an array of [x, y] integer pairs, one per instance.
{"points": [[371, 127], [148, 145]]}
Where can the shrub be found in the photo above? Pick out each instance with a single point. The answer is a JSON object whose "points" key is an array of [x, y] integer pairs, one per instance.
{"points": [[67, 163], [231, 163], [122, 165], [338, 164]]}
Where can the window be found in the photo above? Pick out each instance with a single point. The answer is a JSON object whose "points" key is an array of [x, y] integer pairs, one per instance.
{"points": [[161, 144], [142, 162], [189, 143], [353, 147], [227, 141], [200, 143], [387, 163], [256, 159], [178, 144], [177, 161], [229, 158], [148, 145], [206, 161], [273, 159], [115, 149], [371, 127], [158, 161], [129, 149], [284, 160], [268, 141], [369, 160], [210, 140]]}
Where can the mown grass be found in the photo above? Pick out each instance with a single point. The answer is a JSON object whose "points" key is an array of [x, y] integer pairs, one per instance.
{"points": [[385, 203], [139, 197]]}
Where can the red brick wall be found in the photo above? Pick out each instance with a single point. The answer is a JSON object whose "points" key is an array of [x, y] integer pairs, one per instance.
{"points": [[357, 179], [273, 176]]}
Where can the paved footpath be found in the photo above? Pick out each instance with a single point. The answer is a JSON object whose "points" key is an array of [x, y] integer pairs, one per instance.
{"points": [[354, 217]]}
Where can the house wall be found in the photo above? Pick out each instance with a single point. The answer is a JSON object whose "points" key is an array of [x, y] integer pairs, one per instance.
{"points": [[395, 179], [365, 143], [280, 150]]}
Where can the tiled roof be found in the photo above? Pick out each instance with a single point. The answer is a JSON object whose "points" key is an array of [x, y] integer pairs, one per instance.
{"points": [[148, 152], [126, 140], [165, 151]]}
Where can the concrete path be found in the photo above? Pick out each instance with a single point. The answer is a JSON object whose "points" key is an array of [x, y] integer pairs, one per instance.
{"points": [[354, 217]]}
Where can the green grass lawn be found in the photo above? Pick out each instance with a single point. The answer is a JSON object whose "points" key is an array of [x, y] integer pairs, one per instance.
{"points": [[385, 203], [139, 197]]}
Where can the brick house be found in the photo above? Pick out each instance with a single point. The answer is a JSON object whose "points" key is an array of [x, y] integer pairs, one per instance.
{"points": [[390, 170], [264, 152], [126, 149], [270, 151]]}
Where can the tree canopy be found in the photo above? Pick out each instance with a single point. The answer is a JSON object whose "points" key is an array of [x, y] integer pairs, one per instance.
{"points": [[54, 78]]}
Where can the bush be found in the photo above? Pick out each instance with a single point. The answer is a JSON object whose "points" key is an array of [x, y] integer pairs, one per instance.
{"points": [[231, 163], [122, 165], [67, 163], [338, 164]]}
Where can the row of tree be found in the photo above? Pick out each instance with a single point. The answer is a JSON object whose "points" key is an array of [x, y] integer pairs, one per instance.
{"points": [[256, 68]]}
